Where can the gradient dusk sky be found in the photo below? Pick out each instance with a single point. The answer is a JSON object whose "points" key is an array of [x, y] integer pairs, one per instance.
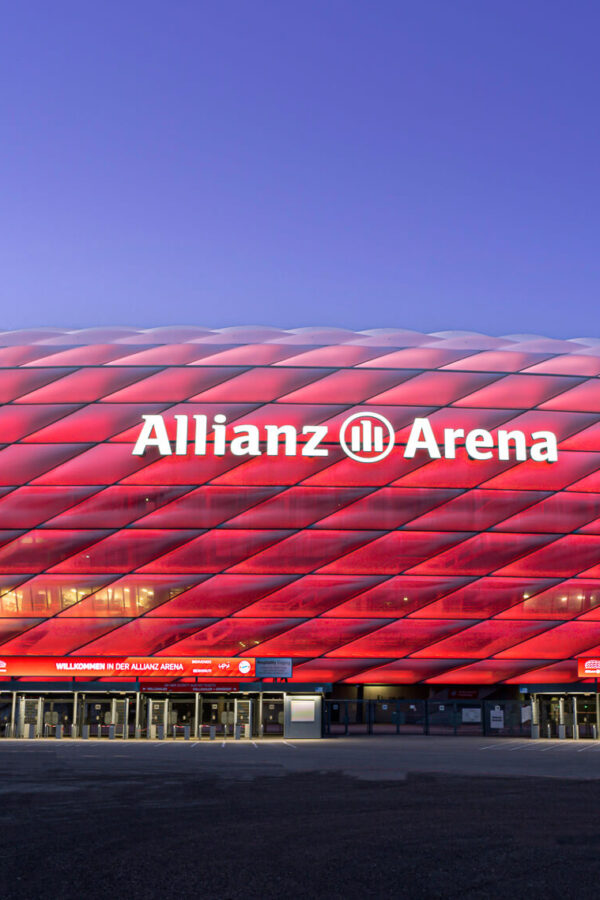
{"points": [[424, 165]]}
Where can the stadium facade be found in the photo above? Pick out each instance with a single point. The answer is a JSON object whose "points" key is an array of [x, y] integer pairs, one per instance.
{"points": [[188, 516]]}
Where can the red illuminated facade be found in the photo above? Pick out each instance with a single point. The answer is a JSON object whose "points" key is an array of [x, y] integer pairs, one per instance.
{"points": [[411, 569]]}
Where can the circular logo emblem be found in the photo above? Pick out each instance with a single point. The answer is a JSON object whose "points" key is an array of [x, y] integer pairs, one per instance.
{"points": [[244, 667], [367, 437]]}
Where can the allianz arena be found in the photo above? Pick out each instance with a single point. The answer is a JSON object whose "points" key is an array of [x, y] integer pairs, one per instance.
{"points": [[394, 514]]}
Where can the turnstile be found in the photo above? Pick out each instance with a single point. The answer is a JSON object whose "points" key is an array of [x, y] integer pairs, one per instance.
{"points": [[29, 724], [157, 718]]}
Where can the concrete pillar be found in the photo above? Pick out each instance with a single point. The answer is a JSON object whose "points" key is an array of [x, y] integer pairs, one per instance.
{"points": [[13, 714], [535, 717], [562, 731], [196, 713]]}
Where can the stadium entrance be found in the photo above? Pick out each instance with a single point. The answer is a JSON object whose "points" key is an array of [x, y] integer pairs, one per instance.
{"points": [[160, 715], [575, 716]]}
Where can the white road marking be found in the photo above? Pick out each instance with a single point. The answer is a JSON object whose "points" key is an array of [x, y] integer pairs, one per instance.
{"points": [[501, 745], [293, 746], [223, 744], [254, 744]]}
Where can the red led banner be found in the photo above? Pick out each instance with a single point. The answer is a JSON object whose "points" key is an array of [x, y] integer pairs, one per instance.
{"points": [[135, 666], [170, 687], [588, 667]]}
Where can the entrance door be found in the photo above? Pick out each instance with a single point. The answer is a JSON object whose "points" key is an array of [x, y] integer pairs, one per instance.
{"points": [[549, 717], [158, 711], [120, 717], [182, 714], [272, 717], [586, 716], [97, 714], [226, 722], [243, 716], [217, 713], [58, 716], [5, 717], [30, 716], [556, 716], [209, 716]]}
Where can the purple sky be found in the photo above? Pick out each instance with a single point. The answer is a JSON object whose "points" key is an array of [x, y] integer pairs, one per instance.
{"points": [[427, 165]]}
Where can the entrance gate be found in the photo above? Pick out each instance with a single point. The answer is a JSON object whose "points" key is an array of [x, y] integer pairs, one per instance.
{"points": [[30, 717], [117, 714], [157, 718], [96, 717], [182, 717], [58, 717], [226, 718], [272, 717], [243, 718], [5, 717], [573, 716]]}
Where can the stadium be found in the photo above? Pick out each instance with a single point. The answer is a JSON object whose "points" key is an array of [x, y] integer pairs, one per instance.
{"points": [[252, 532]]}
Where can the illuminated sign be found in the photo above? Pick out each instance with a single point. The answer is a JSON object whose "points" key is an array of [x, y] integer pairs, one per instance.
{"points": [[280, 667], [149, 687], [365, 437], [588, 667], [133, 666]]}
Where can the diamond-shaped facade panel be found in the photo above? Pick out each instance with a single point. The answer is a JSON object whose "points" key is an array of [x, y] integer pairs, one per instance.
{"points": [[384, 507]]}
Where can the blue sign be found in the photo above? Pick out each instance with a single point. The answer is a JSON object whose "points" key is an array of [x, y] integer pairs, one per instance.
{"points": [[274, 668]]}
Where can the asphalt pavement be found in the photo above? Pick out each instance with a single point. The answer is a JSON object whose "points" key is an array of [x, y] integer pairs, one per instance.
{"points": [[390, 817]]}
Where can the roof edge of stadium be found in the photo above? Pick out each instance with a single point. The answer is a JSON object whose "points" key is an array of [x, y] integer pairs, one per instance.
{"points": [[310, 336]]}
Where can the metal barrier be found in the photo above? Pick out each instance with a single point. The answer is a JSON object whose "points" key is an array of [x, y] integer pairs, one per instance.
{"points": [[442, 717], [183, 730]]}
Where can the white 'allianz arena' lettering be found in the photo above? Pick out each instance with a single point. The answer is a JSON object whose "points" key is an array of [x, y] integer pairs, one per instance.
{"points": [[276, 440]]}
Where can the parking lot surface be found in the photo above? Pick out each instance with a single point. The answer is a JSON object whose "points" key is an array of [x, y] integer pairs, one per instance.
{"points": [[373, 817], [375, 758]]}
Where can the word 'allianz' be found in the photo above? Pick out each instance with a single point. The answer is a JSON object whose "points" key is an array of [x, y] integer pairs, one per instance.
{"points": [[193, 433]]}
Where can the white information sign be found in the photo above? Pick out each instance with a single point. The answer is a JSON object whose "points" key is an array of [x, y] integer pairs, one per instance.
{"points": [[302, 710], [497, 717]]}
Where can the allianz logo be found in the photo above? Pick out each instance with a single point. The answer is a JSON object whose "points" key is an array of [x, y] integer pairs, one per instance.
{"points": [[365, 437]]}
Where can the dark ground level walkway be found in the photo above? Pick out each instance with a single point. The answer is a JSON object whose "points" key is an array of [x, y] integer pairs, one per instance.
{"points": [[259, 821]]}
